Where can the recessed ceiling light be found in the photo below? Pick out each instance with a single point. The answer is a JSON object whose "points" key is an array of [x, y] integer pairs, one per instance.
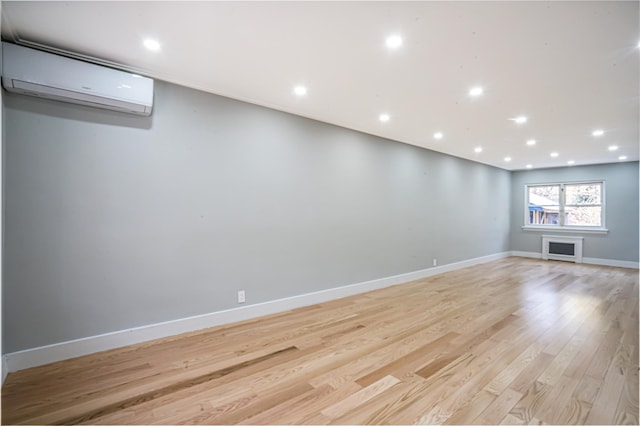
{"points": [[152, 44], [622, 157], [507, 159], [520, 120], [476, 91], [478, 149], [613, 148], [571, 162], [384, 117], [531, 142], [554, 154], [300, 90], [394, 41], [438, 135], [528, 166], [598, 132]]}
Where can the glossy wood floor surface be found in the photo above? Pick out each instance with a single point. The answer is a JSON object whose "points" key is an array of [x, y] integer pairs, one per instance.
{"points": [[514, 341]]}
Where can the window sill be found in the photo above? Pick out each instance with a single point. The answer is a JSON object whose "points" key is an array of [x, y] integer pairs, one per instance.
{"points": [[578, 229]]}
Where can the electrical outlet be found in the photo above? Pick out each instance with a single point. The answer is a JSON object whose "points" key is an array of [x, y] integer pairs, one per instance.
{"points": [[435, 262], [241, 298]]}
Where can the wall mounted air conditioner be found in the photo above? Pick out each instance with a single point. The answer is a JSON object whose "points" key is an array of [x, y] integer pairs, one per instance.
{"points": [[36, 73]]}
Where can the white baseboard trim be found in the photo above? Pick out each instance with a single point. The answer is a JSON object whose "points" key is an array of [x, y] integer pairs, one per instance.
{"points": [[5, 369], [21, 360], [611, 262], [527, 254], [589, 260]]}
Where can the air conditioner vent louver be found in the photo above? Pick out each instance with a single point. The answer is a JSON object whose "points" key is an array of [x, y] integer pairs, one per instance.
{"points": [[562, 248]]}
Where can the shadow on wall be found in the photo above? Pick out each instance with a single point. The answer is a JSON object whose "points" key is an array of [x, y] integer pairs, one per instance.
{"points": [[76, 112]]}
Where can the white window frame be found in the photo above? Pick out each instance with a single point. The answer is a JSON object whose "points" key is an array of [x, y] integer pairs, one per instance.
{"points": [[565, 228]]}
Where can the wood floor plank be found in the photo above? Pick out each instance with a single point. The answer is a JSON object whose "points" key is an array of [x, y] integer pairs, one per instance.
{"points": [[499, 408], [574, 413], [358, 398], [379, 409], [603, 410], [452, 401], [513, 341], [509, 419], [450, 385], [554, 404], [401, 366], [524, 410], [260, 404], [587, 389], [95, 409], [524, 357], [627, 410], [469, 412], [302, 409]]}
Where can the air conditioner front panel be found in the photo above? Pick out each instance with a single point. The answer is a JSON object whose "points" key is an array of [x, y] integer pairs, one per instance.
{"points": [[43, 74], [81, 98]]}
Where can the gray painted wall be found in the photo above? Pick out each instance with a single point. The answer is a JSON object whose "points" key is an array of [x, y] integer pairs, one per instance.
{"points": [[621, 215], [116, 221], [2, 368]]}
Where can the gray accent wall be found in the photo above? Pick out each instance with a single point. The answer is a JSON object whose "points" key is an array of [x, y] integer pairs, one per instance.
{"points": [[3, 369], [117, 221], [621, 214]]}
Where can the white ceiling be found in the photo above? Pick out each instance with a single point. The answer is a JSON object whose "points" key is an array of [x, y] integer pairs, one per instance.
{"points": [[570, 67]]}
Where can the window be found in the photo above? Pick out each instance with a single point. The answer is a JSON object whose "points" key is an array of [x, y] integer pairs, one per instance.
{"points": [[565, 205]]}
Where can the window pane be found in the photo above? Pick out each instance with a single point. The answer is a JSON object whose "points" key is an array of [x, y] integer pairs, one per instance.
{"points": [[583, 216], [545, 195], [584, 194], [544, 205]]}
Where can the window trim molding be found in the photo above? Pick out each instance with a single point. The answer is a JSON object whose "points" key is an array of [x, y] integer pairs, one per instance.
{"points": [[566, 228], [558, 228]]}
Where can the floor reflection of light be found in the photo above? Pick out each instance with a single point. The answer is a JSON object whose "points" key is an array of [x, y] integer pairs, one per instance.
{"points": [[537, 299], [543, 305]]}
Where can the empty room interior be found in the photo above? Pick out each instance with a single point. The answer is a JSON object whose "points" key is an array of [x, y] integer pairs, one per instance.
{"points": [[320, 212]]}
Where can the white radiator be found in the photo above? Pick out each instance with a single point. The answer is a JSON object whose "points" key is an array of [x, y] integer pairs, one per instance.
{"points": [[562, 248]]}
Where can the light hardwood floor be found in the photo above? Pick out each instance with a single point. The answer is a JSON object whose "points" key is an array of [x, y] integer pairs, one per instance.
{"points": [[512, 341]]}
